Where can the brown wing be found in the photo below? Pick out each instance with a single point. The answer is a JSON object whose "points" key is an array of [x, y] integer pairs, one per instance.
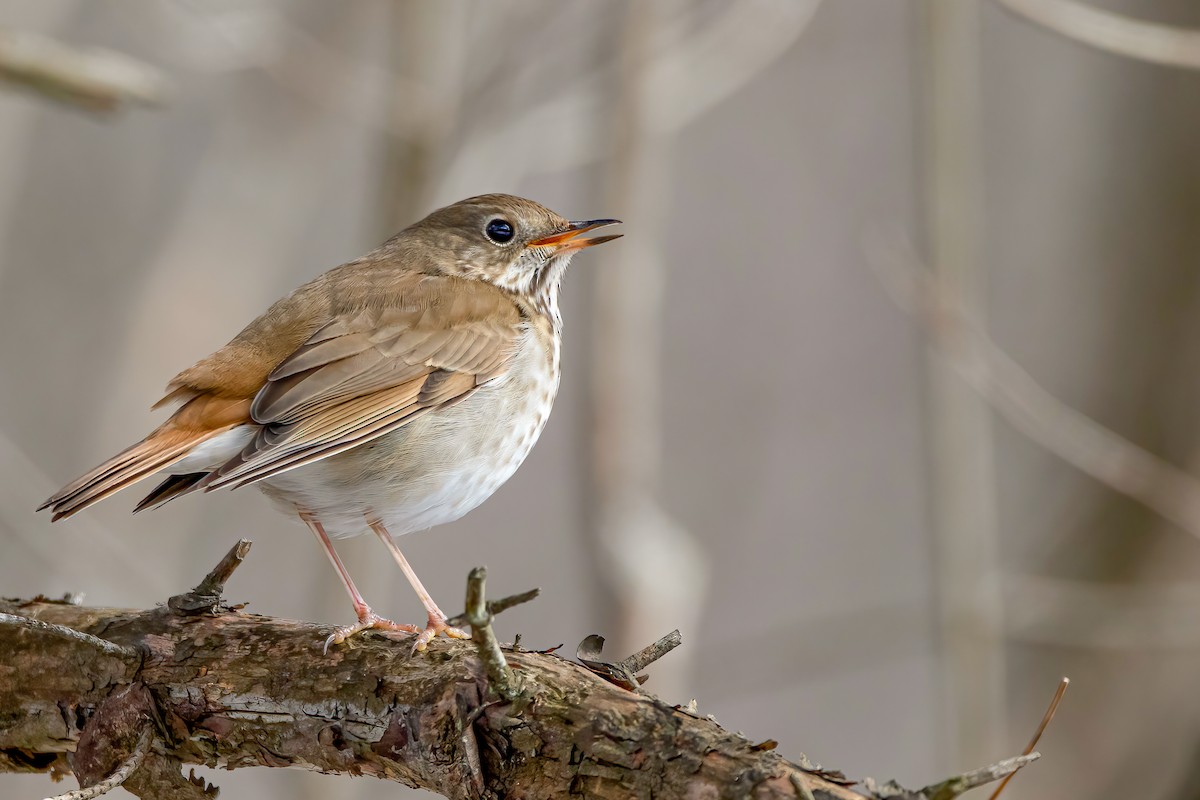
{"points": [[370, 371]]}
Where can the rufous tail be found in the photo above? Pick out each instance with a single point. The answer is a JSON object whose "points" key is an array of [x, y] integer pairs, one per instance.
{"points": [[196, 421]]}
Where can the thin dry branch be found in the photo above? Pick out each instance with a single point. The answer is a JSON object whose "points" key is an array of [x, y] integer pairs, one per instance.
{"points": [[495, 607], [948, 790], [652, 652], [1047, 718], [500, 678]]}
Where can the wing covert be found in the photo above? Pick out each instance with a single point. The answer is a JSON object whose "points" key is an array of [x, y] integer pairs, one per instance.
{"points": [[370, 371]]}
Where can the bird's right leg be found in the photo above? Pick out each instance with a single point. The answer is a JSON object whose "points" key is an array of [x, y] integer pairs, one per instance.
{"points": [[367, 619]]}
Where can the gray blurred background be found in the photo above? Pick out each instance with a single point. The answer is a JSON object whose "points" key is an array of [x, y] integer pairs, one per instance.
{"points": [[753, 441]]}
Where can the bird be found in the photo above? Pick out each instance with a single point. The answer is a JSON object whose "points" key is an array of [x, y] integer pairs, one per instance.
{"points": [[393, 393]]}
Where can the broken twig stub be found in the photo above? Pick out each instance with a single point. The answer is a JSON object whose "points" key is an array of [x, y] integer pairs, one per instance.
{"points": [[500, 676], [206, 597]]}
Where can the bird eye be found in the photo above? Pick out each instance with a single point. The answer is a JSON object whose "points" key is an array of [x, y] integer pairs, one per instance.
{"points": [[499, 231]]}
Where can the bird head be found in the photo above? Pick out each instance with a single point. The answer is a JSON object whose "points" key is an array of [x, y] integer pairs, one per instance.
{"points": [[516, 244]]}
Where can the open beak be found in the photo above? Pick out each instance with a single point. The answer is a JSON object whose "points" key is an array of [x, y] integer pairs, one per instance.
{"points": [[571, 240]]}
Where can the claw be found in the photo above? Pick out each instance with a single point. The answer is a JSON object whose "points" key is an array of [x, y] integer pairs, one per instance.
{"points": [[437, 624], [367, 621]]}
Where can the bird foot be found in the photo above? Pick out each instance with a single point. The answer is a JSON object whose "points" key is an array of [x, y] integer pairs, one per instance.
{"points": [[437, 624], [368, 621]]}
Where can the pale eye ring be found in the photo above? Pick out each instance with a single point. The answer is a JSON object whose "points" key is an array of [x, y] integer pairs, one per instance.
{"points": [[500, 231]]}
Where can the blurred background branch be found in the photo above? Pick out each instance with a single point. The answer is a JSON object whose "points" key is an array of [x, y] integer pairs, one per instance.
{"points": [[94, 79], [1168, 45], [1022, 402], [961, 455]]}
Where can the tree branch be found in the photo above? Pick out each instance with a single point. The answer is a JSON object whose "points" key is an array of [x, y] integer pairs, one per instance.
{"points": [[231, 690]]}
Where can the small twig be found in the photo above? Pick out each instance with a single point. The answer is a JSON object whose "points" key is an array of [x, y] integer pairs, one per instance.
{"points": [[505, 603], [206, 597], [500, 676], [140, 750], [494, 607], [651, 653], [1037, 734], [953, 787], [111, 648]]}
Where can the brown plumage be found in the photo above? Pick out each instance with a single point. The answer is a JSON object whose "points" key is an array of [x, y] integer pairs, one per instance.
{"points": [[394, 392]]}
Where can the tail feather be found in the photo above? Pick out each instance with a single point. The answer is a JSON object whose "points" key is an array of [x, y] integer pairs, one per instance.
{"points": [[159, 450], [174, 486]]}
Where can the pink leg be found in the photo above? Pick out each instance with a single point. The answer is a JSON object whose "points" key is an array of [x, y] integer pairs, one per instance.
{"points": [[367, 619], [437, 619]]}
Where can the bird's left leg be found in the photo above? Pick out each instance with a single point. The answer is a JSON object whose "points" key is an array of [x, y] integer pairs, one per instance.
{"points": [[437, 619]]}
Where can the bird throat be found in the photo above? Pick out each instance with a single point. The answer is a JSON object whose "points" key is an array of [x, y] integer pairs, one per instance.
{"points": [[538, 285]]}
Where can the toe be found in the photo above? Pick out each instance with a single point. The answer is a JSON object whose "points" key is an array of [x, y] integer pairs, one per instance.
{"points": [[370, 621], [435, 627], [455, 633]]}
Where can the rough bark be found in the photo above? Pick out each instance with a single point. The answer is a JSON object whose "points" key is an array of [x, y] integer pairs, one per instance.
{"points": [[236, 690], [220, 688]]}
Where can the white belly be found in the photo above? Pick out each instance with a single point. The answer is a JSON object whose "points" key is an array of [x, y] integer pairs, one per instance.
{"points": [[433, 470]]}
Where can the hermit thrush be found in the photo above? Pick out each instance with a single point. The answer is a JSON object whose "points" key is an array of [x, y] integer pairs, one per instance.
{"points": [[395, 392]]}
